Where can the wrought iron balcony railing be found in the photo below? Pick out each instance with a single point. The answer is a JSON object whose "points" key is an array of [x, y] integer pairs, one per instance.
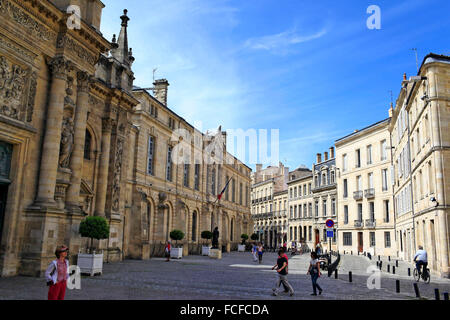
{"points": [[358, 195]]}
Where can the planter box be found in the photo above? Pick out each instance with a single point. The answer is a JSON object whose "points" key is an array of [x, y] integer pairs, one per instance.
{"points": [[205, 251], [176, 253], [241, 247], [90, 263], [215, 253]]}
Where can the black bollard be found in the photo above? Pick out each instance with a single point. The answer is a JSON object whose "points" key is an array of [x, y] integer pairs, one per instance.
{"points": [[436, 294], [396, 263], [416, 290], [378, 258], [349, 276], [358, 253], [335, 274], [388, 268], [393, 269], [397, 286], [409, 272], [351, 252], [389, 257], [445, 295], [377, 263], [381, 264]]}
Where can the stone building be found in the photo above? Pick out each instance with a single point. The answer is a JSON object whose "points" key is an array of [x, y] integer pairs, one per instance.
{"points": [[74, 141], [325, 198], [421, 140], [365, 211], [280, 217], [300, 207], [265, 184]]}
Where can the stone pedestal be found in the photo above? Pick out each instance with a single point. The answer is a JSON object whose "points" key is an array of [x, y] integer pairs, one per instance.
{"points": [[215, 253]]}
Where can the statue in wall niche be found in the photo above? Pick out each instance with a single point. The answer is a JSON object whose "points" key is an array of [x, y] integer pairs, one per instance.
{"points": [[66, 145]]}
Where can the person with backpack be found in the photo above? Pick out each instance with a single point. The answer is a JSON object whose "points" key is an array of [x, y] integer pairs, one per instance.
{"points": [[57, 274], [281, 267], [314, 271]]}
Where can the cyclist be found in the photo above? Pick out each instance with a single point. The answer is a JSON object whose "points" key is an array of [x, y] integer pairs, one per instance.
{"points": [[421, 259]]}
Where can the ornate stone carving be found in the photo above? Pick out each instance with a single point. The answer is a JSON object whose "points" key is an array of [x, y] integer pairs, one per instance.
{"points": [[31, 96], [16, 49], [83, 81], [162, 196], [12, 85], [66, 146], [60, 67], [117, 175], [107, 124], [68, 43], [36, 29]]}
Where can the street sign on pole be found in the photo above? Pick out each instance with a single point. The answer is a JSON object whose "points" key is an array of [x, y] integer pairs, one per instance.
{"points": [[329, 223], [330, 233]]}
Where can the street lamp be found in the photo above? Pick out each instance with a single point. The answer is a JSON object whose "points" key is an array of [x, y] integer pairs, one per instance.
{"points": [[433, 199]]}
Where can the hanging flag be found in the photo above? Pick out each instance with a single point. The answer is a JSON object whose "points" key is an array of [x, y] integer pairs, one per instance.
{"points": [[223, 190]]}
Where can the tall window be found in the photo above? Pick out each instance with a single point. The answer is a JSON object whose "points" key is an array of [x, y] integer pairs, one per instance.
{"points": [[310, 209], [347, 238], [291, 210], [370, 180], [310, 233], [387, 239], [197, 177], [150, 154], [324, 207], [233, 190], [169, 164], [194, 226], [333, 207], [186, 175], [345, 194], [213, 180], [345, 214], [295, 211], [344, 162], [241, 192], [369, 154], [430, 178], [360, 212], [359, 183], [358, 158], [384, 179], [317, 208], [87, 145], [372, 239], [383, 150], [372, 211], [386, 210]]}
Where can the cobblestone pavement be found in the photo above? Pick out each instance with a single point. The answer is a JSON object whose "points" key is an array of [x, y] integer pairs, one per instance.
{"points": [[358, 266], [236, 276]]}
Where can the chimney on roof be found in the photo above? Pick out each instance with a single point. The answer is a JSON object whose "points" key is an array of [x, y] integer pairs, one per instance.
{"points": [[319, 158], [391, 110], [325, 156], [331, 152], [404, 77], [258, 167], [160, 90]]}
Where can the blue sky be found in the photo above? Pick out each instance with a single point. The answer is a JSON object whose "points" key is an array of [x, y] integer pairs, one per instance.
{"points": [[311, 69]]}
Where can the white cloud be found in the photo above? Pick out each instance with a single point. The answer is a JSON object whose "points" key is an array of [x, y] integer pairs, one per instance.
{"points": [[281, 40]]}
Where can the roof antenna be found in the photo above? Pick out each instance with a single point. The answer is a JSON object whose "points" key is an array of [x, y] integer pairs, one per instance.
{"points": [[154, 70], [417, 60]]}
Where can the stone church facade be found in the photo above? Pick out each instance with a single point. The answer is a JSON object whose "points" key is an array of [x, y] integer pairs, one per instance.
{"points": [[78, 139]]}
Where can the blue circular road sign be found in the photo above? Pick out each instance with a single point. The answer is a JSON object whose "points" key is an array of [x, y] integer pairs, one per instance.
{"points": [[329, 223]]}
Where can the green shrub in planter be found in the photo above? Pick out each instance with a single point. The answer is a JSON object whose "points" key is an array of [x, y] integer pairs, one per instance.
{"points": [[254, 236], [94, 228], [244, 237], [206, 235], [176, 235]]}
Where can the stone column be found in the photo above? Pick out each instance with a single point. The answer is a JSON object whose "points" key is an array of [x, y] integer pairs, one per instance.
{"points": [[102, 183], [59, 68], [76, 164]]}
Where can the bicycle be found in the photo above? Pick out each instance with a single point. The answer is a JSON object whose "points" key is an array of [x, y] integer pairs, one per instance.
{"points": [[426, 277]]}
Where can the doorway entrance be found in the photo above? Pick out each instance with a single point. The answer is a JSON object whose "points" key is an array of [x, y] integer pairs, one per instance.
{"points": [[360, 242], [317, 237], [5, 166]]}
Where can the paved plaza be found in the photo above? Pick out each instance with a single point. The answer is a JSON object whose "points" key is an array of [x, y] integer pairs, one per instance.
{"points": [[236, 276]]}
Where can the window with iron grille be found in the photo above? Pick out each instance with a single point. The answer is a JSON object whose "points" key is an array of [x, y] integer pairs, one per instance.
{"points": [[169, 164], [186, 175], [150, 154], [372, 239], [347, 238], [387, 239]]}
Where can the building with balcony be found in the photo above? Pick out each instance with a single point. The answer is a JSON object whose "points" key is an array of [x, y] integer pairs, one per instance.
{"points": [[300, 203], [421, 154], [365, 210], [265, 184], [325, 198]]}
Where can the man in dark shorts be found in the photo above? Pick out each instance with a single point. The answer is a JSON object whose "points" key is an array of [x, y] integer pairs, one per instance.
{"points": [[281, 268]]}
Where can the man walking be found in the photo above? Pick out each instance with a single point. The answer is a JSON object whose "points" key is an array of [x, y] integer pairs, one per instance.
{"points": [[281, 268]]}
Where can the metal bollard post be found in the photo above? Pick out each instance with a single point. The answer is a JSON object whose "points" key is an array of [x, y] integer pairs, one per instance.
{"points": [[396, 263], [388, 268], [351, 252], [397, 286], [445, 295], [377, 263], [436, 294], [393, 269], [358, 253], [389, 257], [349, 276], [416, 290], [381, 264], [409, 272], [378, 258], [335, 274]]}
